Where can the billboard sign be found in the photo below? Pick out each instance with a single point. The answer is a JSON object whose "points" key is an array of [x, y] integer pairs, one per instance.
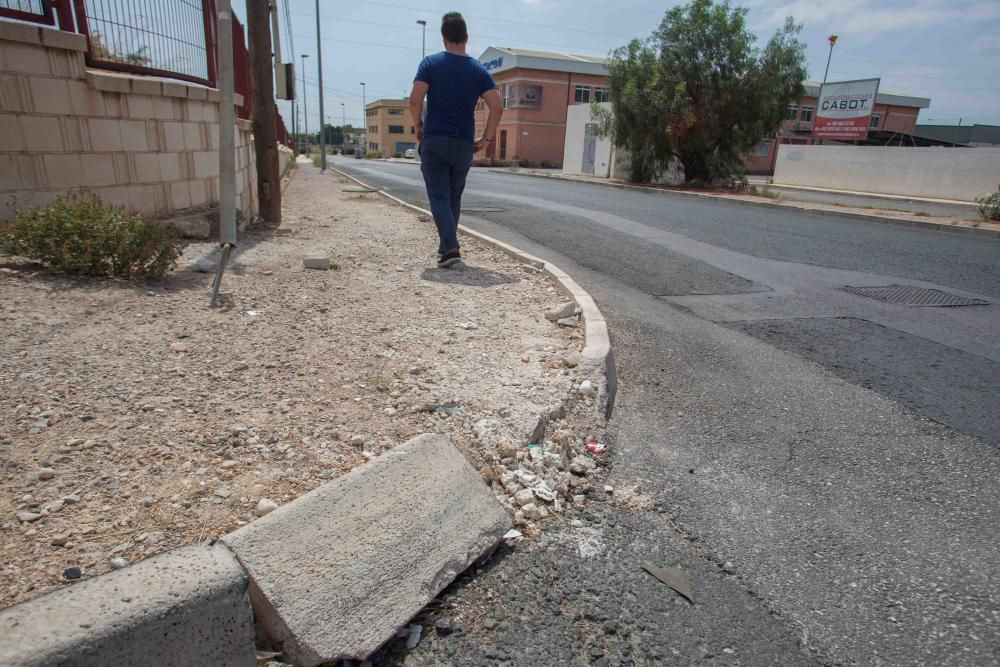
{"points": [[844, 109]]}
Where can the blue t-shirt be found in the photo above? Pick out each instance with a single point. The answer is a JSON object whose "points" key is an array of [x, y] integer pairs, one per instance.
{"points": [[455, 85]]}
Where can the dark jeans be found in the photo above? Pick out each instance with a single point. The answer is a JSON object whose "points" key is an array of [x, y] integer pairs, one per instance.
{"points": [[445, 162]]}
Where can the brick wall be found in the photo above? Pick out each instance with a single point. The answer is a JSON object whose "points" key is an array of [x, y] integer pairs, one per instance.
{"points": [[144, 142]]}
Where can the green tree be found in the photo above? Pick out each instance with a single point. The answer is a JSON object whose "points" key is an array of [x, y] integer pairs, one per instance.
{"points": [[699, 89]]}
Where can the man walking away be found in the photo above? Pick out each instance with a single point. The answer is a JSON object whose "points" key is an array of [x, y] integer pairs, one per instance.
{"points": [[453, 83]]}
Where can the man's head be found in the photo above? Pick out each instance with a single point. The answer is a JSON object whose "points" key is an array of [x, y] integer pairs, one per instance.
{"points": [[453, 29]]}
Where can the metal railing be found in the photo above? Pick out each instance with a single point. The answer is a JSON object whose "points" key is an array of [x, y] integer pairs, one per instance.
{"points": [[171, 38]]}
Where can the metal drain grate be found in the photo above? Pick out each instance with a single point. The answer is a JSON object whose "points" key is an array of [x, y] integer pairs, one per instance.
{"points": [[906, 295], [484, 209]]}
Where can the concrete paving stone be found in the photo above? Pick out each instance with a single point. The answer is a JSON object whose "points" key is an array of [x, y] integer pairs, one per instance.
{"points": [[337, 572], [184, 607]]}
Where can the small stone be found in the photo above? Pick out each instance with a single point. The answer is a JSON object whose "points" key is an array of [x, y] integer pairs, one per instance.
{"points": [[222, 493], [357, 440], [586, 388], [608, 488], [567, 322], [562, 312], [177, 346], [59, 540], [28, 517], [72, 499], [148, 501], [543, 492], [444, 626], [524, 497], [572, 360], [413, 636], [579, 499], [581, 465], [72, 573], [266, 506], [56, 505], [533, 512], [119, 563], [316, 261], [46, 473], [525, 358], [507, 450], [226, 465]]}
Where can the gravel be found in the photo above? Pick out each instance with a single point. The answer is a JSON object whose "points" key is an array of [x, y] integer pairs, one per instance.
{"points": [[135, 393]]}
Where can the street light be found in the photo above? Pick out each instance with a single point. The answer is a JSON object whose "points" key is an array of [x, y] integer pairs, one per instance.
{"points": [[305, 105], [343, 124], [319, 67], [833, 40], [423, 38]]}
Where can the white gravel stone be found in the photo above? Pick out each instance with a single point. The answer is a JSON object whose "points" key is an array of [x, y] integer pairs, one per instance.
{"points": [[572, 359], [119, 563], [586, 388], [28, 517], [265, 506], [533, 512], [46, 473], [562, 312], [524, 497]]}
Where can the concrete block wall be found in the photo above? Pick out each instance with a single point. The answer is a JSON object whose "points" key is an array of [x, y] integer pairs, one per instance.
{"points": [[147, 143]]}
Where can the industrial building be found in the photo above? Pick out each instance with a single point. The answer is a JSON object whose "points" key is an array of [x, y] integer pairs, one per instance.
{"points": [[390, 129]]}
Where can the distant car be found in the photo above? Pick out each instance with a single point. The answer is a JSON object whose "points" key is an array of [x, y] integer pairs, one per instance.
{"points": [[359, 153], [410, 153]]}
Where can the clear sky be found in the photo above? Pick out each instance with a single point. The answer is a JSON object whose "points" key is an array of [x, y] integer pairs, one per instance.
{"points": [[947, 50]]}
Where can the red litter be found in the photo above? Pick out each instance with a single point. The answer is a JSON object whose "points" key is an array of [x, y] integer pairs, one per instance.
{"points": [[596, 447]]}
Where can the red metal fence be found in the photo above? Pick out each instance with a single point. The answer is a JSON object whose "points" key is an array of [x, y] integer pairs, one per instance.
{"points": [[39, 11]]}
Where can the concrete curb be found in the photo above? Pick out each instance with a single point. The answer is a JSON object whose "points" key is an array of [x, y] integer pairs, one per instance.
{"points": [[948, 229], [189, 606], [597, 355]]}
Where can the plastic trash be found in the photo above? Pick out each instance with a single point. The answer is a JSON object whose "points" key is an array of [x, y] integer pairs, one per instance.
{"points": [[596, 447]]}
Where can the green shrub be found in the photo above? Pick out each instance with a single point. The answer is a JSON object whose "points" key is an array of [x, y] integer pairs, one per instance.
{"points": [[397, 155], [80, 234], [989, 206], [374, 155]]}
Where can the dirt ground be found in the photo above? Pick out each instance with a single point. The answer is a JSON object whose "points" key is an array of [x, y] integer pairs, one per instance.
{"points": [[134, 418]]}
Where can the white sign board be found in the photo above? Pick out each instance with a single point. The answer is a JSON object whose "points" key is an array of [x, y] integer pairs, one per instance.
{"points": [[844, 109]]}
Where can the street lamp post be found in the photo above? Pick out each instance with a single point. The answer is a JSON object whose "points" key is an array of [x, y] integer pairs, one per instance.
{"points": [[833, 40], [364, 111], [305, 105], [319, 65], [343, 124], [423, 38]]}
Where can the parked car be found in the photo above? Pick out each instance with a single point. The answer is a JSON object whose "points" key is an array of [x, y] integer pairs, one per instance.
{"points": [[410, 153]]}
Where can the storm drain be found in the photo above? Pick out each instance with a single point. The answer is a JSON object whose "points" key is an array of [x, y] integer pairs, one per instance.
{"points": [[484, 209], [907, 295]]}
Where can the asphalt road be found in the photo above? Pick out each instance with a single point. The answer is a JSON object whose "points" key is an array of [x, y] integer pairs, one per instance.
{"points": [[821, 463]]}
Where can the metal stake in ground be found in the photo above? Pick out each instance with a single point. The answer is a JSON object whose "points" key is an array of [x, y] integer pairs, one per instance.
{"points": [[227, 147]]}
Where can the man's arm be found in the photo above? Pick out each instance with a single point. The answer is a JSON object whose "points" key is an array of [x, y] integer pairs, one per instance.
{"points": [[495, 105], [417, 106]]}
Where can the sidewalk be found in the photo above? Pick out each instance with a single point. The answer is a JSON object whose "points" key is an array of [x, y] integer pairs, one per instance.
{"points": [[134, 419], [965, 222]]}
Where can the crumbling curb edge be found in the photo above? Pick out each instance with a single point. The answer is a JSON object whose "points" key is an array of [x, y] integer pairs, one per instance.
{"points": [[867, 217], [597, 355]]}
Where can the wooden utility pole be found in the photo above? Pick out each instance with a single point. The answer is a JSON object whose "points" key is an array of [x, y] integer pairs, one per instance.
{"points": [[265, 128]]}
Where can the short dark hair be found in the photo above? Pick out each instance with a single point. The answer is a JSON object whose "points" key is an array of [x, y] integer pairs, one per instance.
{"points": [[453, 28]]}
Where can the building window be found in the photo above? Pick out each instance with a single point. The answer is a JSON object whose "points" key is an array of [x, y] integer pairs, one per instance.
{"points": [[876, 119], [763, 148], [792, 113], [373, 129], [601, 95], [582, 94], [396, 129], [413, 130], [395, 112], [506, 95], [806, 114]]}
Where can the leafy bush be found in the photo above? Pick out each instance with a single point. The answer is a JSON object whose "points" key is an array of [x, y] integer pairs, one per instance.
{"points": [[80, 234], [374, 155], [989, 206], [397, 155]]}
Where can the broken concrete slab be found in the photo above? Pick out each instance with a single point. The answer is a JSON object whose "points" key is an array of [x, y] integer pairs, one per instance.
{"points": [[184, 607], [316, 261], [337, 572]]}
